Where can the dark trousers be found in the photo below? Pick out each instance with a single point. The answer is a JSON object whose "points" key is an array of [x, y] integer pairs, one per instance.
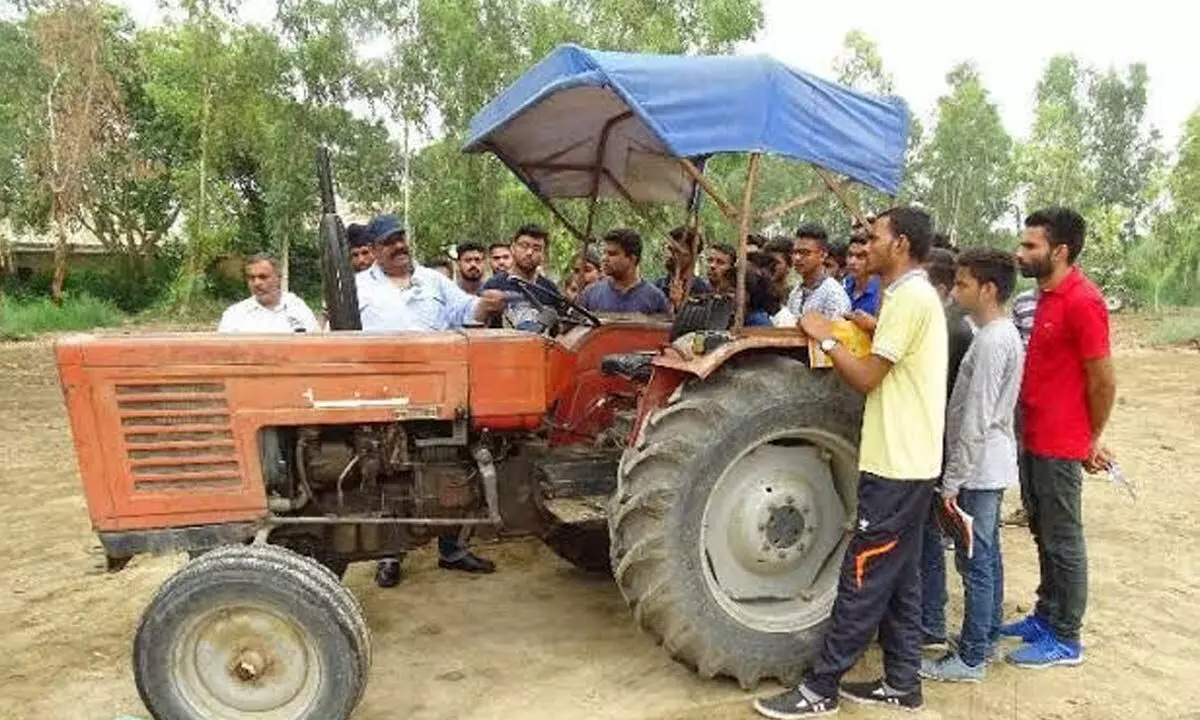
{"points": [[879, 587], [933, 579], [1051, 491]]}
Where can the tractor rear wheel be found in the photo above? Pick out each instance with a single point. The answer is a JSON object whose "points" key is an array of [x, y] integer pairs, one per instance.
{"points": [[729, 522], [251, 631]]}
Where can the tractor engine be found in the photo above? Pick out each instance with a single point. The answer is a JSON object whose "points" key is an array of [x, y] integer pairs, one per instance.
{"points": [[422, 471]]}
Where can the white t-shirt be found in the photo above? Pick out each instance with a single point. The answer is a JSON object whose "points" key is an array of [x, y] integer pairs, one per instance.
{"points": [[249, 316]]}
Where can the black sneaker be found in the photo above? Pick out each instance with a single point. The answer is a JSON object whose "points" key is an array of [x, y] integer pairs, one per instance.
{"points": [[877, 692], [799, 702]]}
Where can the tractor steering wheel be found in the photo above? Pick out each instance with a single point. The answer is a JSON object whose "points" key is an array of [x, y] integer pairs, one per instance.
{"points": [[568, 309]]}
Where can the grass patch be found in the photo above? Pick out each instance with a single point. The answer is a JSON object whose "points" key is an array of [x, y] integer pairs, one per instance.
{"points": [[22, 318], [1178, 329]]}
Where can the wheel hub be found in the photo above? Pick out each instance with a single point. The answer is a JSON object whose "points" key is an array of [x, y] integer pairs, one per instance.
{"points": [[247, 659], [772, 523], [785, 528]]}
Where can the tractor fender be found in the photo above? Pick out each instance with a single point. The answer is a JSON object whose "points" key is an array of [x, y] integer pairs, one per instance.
{"points": [[682, 357], [679, 362]]}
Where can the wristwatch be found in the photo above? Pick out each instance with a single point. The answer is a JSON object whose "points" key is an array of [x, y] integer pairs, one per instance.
{"points": [[828, 344]]}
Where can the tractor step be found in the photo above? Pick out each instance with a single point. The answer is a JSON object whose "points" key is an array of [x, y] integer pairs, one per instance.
{"points": [[583, 510]]}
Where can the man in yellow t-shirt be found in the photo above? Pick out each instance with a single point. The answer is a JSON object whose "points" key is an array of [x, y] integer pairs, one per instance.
{"points": [[904, 379]]}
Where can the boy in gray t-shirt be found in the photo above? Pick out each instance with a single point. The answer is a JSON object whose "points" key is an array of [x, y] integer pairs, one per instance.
{"points": [[981, 455]]}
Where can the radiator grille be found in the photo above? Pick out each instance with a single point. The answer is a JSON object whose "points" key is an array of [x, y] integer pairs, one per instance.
{"points": [[178, 436]]}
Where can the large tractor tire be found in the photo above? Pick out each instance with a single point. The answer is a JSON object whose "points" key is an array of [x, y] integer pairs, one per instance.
{"points": [[729, 522], [255, 631]]}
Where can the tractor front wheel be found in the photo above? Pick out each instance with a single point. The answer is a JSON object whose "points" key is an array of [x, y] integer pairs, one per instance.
{"points": [[730, 518], [253, 631]]}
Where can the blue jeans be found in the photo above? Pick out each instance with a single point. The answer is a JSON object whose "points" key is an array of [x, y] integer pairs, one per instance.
{"points": [[933, 579], [982, 575]]}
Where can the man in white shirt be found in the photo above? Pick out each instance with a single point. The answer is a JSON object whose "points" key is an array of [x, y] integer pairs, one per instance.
{"points": [[268, 309], [396, 294]]}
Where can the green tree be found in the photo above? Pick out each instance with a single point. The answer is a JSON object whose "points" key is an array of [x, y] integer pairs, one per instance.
{"points": [[1053, 164], [966, 167]]}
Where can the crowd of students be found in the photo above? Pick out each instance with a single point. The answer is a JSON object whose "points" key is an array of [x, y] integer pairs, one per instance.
{"points": [[965, 400]]}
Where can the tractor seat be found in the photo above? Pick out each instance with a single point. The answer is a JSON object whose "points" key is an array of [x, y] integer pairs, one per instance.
{"points": [[631, 366]]}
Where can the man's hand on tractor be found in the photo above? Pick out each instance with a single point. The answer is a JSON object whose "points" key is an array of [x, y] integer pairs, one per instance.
{"points": [[816, 326], [491, 302]]}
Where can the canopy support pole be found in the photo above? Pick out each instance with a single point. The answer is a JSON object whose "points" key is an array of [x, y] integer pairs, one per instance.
{"points": [[839, 190], [739, 318], [790, 205], [726, 208], [601, 149]]}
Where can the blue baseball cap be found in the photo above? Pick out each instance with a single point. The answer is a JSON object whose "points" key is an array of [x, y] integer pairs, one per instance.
{"points": [[383, 226]]}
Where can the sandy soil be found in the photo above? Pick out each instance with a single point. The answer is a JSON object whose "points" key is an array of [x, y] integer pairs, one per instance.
{"points": [[541, 640]]}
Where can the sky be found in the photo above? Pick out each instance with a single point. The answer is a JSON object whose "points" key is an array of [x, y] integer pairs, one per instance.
{"points": [[1010, 41]]}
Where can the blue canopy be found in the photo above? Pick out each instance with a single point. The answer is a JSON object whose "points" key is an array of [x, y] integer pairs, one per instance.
{"points": [[584, 122]]}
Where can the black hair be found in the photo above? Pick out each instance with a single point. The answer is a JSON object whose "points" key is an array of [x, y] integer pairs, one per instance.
{"points": [[466, 247], [914, 224], [498, 244], [856, 239], [726, 249], [758, 293], [816, 231], [440, 261], [762, 260], [1063, 226], [837, 251], [988, 265], [779, 246], [755, 239], [357, 236], [940, 265], [685, 236], [628, 240], [531, 230], [942, 240], [589, 258]]}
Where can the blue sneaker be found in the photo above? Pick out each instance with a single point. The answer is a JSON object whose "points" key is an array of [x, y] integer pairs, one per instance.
{"points": [[1029, 629], [1047, 651]]}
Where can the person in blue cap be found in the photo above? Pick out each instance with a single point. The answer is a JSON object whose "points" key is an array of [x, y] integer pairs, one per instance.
{"points": [[397, 294]]}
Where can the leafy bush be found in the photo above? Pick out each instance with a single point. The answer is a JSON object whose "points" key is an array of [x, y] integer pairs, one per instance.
{"points": [[1178, 329], [23, 318]]}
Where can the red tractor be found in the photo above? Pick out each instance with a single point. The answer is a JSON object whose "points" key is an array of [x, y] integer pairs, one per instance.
{"points": [[704, 463]]}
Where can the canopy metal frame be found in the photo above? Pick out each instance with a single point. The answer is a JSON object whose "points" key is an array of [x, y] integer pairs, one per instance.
{"points": [[738, 217]]}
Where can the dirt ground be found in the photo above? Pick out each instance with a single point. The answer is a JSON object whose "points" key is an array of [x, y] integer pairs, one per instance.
{"points": [[541, 640]]}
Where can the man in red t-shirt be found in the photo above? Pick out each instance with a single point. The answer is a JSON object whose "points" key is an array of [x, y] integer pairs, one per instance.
{"points": [[1066, 397]]}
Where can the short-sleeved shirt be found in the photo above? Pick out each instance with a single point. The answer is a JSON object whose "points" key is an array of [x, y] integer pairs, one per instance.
{"points": [[520, 313], [643, 297], [431, 302], [828, 298], [905, 416], [251, 316], [1070, 328], [1023, 308], [868, 299]]}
